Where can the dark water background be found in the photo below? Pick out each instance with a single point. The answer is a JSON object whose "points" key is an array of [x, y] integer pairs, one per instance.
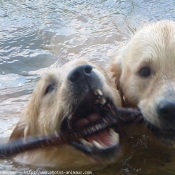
{"points": [[36, 34]]}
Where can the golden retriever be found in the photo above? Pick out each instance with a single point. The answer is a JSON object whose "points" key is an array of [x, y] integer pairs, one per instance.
{"points": [[144, 71], [63, 95]]}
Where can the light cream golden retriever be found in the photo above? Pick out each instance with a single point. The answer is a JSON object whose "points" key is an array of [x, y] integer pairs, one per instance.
{"points": [[144, 71], [68, 95]]}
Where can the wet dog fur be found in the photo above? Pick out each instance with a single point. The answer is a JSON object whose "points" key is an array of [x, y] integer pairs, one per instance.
{"points": [[53, 98]]}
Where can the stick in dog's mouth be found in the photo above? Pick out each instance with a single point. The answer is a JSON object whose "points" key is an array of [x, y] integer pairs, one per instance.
{"points": [[123, 115], [84, 135], [97, 109]]}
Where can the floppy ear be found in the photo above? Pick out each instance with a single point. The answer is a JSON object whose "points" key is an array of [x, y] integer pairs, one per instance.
{"points": [[19, 130], [26, 125], [116, 68], [23, 129]]}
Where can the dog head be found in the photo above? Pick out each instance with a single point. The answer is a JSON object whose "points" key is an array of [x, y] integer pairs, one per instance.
{"points": [[72, 96], [144, 71]]}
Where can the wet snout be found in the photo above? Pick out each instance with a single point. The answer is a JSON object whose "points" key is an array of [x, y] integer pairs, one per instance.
{"points": [[166, 110], [80, 72], [84, 76]]}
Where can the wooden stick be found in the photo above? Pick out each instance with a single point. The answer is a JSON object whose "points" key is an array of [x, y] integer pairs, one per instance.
{"points": [[120, 116]]}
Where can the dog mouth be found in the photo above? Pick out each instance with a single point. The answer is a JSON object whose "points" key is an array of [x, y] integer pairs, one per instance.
{"points": [[90, 111]]}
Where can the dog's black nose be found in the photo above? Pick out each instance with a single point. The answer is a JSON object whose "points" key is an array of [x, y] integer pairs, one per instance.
{"points": [[166, 110], [80, 72]]}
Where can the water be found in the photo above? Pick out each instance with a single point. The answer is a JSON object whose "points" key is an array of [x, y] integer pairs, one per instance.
{"points": [[36, 34]]}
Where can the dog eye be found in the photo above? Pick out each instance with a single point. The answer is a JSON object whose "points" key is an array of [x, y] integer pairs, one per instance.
{"points": [[49, 88], [145, 72]]}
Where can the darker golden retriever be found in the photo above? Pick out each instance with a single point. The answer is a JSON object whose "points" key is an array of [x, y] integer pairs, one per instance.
{"points": [[69, 93]]}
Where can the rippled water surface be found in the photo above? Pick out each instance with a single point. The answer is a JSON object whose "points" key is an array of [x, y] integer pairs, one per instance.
{"points": [[36, 34]]}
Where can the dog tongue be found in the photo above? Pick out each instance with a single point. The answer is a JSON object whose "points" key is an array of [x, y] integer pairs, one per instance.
{"points": [[88, 120], [93, 117], [103, 138]]}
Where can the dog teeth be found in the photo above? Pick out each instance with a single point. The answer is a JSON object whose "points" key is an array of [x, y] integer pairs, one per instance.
{"points": [[103, 101], [114, 136], [85, 142], [98, 92], [100, 101], [111, 131], [97, 144]]}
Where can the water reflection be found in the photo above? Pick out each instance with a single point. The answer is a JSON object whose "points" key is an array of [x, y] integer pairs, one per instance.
{"points": [[36, 34]]}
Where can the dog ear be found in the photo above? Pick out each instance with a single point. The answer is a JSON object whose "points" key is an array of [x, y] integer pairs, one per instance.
{"points": [[22, 130], [19, 131], [25, 126], [116, 70]]}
